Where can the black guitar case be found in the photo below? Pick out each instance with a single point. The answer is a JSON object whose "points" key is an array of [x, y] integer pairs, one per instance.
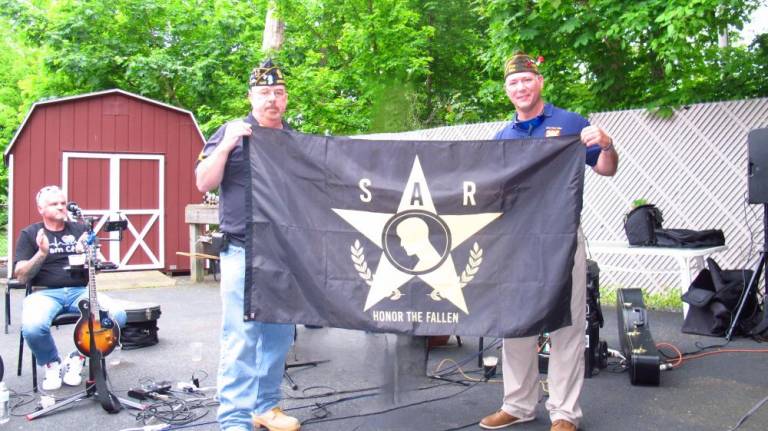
{"points": [[635, 338]]}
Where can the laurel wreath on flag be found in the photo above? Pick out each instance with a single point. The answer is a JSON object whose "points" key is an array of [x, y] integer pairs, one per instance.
{"points": [[473, 265], [470, 270], [358, 259]]}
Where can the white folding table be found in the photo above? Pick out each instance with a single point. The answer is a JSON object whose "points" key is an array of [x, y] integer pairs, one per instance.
{"points": [[683, 256]]}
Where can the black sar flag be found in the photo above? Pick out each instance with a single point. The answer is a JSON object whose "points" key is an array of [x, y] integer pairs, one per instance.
{"points": [[413, 237]]}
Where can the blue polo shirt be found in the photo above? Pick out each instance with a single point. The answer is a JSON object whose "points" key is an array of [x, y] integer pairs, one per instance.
{"points": [[553, 121]]}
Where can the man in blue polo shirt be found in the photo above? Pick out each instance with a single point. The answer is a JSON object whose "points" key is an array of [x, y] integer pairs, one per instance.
{"points": [[535, 118]]}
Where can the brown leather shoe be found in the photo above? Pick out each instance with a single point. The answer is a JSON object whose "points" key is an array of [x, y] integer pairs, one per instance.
{"points": [[500, 419], [562, 425], [276, 420]]}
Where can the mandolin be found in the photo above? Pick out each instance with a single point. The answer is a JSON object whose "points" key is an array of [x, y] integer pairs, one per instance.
{"points": [[95, 328]]}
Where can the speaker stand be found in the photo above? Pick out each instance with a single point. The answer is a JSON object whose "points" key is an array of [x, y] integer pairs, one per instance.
{"points": [[753, 282]]}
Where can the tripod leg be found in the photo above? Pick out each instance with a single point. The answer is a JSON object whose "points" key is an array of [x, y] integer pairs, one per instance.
{"points": [[745, 295], [480, 354], [130, 403], [65, 402]]}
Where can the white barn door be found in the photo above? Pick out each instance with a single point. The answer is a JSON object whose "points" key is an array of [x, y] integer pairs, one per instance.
{"points": [[130, 187]]}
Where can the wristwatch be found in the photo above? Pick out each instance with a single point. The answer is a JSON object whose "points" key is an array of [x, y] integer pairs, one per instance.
{"points": [[609, 147]]}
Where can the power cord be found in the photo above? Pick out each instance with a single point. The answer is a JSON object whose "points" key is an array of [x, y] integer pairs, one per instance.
{"points": [[174, 411], [18, 400], [680, 357], [458, 368], [458, 364], [330, 392], [749, 413], [171, 407], [361, 415]]}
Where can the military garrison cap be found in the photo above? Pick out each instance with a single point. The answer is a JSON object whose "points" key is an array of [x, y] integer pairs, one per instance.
{"points": [[520, 62], [266, 75]]}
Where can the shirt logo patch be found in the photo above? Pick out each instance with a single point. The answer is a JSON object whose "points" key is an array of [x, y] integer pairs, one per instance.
{"points": [[552, 131]]}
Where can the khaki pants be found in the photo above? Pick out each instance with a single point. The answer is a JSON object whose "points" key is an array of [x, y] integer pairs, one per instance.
{"points": [[566, 360]]}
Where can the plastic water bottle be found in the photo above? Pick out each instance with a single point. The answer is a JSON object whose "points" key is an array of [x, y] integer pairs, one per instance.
{"points": [[5, 401]]}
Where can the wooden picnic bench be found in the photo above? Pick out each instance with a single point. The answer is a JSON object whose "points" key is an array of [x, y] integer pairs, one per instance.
{"points": [[198, 217]]}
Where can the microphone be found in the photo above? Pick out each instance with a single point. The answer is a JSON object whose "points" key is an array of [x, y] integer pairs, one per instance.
{"points": [[73, 208]]}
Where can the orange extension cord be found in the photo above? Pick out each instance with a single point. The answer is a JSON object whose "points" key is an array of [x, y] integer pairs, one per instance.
{"points": [[678, 361]]}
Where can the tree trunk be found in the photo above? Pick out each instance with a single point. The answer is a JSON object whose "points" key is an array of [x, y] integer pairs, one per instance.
{"points": [[274, 31]]}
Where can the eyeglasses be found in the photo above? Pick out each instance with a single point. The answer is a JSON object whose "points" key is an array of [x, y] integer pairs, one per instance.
{"points": [[46, 189], [266, 92], [527, 82]]}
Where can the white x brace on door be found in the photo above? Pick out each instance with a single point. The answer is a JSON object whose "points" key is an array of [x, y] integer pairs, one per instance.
{"points": [[112, 186]]}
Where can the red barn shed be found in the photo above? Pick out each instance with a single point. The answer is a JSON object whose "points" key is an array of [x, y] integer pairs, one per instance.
{"points": [[116, 154]]}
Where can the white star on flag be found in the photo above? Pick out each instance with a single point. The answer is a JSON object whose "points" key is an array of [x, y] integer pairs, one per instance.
{"points": [[388, 277]]}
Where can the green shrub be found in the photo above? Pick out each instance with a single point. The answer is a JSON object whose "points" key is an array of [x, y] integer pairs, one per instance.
{"points": [[668, 300], [3, 241]]}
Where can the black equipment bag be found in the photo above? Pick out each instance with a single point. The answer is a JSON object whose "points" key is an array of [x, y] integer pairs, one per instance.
{"points": [[635, 338], [713, 298], [140, 329], [643, 227], [641, 223], [139, 334], [685, 238]]}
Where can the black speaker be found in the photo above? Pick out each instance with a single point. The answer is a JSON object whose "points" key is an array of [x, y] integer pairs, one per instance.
{"points": [[757, 169]]}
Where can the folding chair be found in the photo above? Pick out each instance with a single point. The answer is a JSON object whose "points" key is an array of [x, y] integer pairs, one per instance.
{"points": [[63, 318], [12, 283]]}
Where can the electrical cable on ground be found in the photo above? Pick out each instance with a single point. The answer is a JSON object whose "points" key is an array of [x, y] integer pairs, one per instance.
{"points": [[680, 357], [404, 406], [749, 413]]}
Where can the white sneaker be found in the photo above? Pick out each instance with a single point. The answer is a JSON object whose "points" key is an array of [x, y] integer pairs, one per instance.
{"points": [[52, 379], [73, 366]]}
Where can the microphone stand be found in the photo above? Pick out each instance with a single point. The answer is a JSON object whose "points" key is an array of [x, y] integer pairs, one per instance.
{"points": [[288, 377]]}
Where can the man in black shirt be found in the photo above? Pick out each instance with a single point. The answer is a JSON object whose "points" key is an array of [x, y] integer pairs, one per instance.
{"points": [[42, 252], [252, 353]]}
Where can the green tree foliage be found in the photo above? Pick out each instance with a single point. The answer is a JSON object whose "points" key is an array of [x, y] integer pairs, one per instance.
{"points": [[23, 80], [357, 66], [614, 54], [354, 64], [192, 54]]}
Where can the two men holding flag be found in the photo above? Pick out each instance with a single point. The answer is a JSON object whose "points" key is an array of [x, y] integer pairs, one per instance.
{"points": [[284, 260]]}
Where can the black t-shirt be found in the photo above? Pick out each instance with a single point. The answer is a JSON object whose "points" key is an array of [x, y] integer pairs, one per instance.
{"points": [[61, 245], [232, 215]]}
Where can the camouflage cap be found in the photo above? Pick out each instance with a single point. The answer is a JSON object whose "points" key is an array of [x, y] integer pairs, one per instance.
{"points": [[520, 62], [266, 75]]}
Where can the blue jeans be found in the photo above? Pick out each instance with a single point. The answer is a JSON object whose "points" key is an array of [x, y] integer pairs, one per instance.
{"points": [[39, 309], [252, 357]]}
